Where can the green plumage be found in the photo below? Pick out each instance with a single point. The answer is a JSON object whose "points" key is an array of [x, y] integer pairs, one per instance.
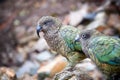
{"points": [[103, 50], [60, 38], [74, 53], [69, 33], [106, 49]]}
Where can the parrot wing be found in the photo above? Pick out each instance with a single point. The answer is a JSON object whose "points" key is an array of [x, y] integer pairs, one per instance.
{"points": [[106, 49]]}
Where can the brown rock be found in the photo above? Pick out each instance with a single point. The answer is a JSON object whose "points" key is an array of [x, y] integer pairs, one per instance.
{"points": [[57, 65], [85, 70], [7, 74]]}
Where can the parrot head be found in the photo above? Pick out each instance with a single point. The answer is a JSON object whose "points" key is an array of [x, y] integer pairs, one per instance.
{"points": [[48, 23], [85, 36]]}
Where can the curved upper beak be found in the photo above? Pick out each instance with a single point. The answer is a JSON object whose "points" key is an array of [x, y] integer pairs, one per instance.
{"points": [[39, 28], [77, 38]]}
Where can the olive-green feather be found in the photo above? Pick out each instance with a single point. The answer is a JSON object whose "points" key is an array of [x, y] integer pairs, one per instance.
{"points": [[69, 33], [106, 49]]}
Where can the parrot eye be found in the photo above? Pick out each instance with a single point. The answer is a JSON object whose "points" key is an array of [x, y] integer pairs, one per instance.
{"points": [[48, 22], [85, 36]]}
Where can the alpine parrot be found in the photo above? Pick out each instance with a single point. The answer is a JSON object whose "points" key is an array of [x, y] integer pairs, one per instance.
{"points": [[60, 38], [103, 50]]}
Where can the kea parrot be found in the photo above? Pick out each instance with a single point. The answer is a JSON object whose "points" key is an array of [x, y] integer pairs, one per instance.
{"points": [[61, 38], [103, 50]]}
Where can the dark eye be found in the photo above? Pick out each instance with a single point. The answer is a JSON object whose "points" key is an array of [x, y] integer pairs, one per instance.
{"points": [[85, 36], [49, 22]]}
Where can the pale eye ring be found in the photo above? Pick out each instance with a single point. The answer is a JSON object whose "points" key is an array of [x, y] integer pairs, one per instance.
{"points": [[85, 36]]}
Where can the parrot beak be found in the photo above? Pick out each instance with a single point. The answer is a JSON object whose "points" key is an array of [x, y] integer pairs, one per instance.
{"points": [[77, 39], [39, 28]]}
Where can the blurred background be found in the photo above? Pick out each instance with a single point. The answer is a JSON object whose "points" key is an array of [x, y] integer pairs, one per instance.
{"points": [[25, 56]]}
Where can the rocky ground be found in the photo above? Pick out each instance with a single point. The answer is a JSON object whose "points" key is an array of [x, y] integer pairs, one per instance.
{"points": [[24, 56]]}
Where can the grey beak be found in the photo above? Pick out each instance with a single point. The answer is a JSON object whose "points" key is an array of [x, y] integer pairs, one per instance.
{"points": [[38, 28], [77, 38]]}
